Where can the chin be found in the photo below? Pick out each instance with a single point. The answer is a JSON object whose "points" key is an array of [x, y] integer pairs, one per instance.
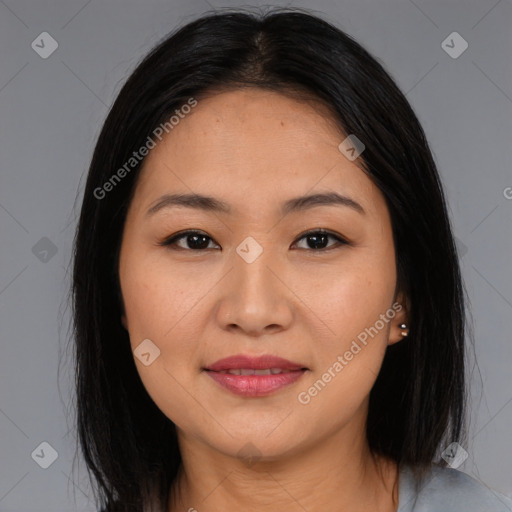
{"points": [[258, 444]]}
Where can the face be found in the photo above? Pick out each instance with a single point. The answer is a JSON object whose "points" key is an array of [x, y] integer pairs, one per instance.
{"points": [[257, 278]]}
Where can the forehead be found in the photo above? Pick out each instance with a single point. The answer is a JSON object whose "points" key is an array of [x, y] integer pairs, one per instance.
{"points": [[252, 146]]}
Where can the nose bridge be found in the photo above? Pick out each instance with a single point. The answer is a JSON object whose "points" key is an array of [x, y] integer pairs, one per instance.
{"points": [[252, 261], [256, 297]]}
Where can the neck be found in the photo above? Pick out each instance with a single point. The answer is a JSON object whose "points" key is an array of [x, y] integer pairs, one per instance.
{"points": [[345, 475]]}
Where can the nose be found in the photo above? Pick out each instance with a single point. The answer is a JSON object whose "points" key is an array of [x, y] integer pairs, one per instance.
{"points": [[255, 298]]}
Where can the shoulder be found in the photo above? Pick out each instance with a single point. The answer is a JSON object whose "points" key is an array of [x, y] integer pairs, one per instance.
{"points": [[448, 490]]}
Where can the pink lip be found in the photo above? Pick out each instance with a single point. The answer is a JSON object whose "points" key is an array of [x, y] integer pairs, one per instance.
{"points": [[254, 385], [257, 363]]}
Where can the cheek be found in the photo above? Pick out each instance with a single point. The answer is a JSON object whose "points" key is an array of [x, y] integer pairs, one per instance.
{"points": [[348, 298], [159, 303], [157, 296], [352, 338]]}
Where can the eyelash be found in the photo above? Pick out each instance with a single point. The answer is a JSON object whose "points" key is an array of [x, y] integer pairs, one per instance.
{"points": [[170, 242]]}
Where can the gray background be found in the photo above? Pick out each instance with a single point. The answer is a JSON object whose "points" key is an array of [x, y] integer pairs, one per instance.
{"points": [[50, 115]]}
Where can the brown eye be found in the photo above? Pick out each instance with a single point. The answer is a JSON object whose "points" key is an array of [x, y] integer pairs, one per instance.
{"points": [[193, 240], [197, 241], [318, 240]]}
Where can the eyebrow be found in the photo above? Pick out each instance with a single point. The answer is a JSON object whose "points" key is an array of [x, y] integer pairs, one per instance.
{"points": [[211, 204]]}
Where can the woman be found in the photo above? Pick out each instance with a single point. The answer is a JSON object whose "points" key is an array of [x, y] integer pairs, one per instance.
{"points": [[267, 299]]}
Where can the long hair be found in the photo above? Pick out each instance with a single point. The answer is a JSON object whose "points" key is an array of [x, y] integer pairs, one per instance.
{"points": [[418, 400]]}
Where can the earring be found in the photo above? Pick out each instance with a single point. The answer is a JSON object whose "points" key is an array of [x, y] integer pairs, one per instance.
{"points": [[403, 327]]}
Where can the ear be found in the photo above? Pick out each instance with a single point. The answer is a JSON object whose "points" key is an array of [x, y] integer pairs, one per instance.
{"points": [[401, 307]]}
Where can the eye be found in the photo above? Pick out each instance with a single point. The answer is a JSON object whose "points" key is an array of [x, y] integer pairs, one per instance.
{"points": [[194, 240], [198, 241], [318, 238]]}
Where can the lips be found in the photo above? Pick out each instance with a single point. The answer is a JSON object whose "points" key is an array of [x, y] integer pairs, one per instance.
{"points": [[252, 371], [265, 362], [254, 376]]}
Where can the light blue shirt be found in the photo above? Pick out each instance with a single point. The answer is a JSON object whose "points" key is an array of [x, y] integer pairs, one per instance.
{"points": [[448, 490]]}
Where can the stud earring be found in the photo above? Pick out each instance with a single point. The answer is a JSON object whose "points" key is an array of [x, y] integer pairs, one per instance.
{"points": [[403, 327]]}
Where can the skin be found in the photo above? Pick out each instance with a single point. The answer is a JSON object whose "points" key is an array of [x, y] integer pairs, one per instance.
{"points": [[255, 149]]}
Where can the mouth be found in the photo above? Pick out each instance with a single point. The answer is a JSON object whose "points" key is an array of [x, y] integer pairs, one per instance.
{"points": [[255, 376], [254, 371]]}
